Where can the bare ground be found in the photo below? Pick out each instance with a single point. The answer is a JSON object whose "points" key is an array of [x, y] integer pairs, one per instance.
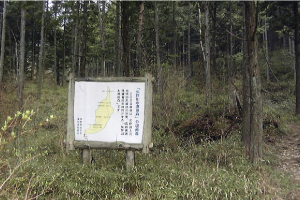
{"points": [[289, 157]]}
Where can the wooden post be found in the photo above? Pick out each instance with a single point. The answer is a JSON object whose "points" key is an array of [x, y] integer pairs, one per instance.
{"points": [[86, 156], [71, 131], [148, 114], [130, 157]]}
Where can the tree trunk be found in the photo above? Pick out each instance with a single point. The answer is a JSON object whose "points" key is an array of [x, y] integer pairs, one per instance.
{"points": [[55, 71], [246, 92], [139, 41], [84, 40], [207, 55], [200, 33], [117, 40], [75, 41], [232, 93], [190, 70], [174, 37], [296, 46], [267, 49], [253, 127], [32, 52], [64, 53], [41, 53], [2, 44], [159, 67], [22, 59], [213, 38], [125, 37], [101, 9]]}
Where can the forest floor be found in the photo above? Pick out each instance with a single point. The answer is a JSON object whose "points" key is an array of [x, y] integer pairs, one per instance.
{"points": [[178, 168], [289, 156]]}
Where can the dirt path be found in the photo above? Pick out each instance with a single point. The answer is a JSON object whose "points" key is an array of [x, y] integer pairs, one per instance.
{"points": [[289, 156]]}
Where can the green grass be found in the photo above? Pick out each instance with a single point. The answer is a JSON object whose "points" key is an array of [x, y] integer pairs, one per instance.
{"points": [[36, 164]]}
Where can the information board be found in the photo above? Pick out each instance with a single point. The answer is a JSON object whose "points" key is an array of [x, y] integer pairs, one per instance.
{"points": [[109, 111]]}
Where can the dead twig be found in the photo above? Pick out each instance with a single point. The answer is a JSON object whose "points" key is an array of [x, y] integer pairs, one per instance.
{"points": [[235, 35]]}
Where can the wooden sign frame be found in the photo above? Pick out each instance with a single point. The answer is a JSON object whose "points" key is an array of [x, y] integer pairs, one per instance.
{"points": [[146, 144]]}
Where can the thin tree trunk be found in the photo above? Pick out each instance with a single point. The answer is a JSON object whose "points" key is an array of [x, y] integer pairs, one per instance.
{"points": [[255, 123], [139, 41], [232, 93], [159, 67], [101, 9], [75, 41], [207, 55], [174, 37], [41, 53], [2, 43], [267, 50], [55, 47], [125, 37], [183, 55], [117, 40], [84, 40], [296, 46], [47, 18], [55, 71], [200, 33], [32, 52], [64, 53], [22, 58], [213, 38], [246, 92], [190, 70]]}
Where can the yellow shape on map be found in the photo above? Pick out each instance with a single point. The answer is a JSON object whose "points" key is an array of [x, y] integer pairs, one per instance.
{"points": [[103, 113]]}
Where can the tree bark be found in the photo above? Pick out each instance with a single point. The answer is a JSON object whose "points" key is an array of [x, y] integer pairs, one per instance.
{"points": [[253, 127], [200, 33], [213, 38], [55, 71], [125, 37], [246, 92], [32, 52], [84, 40], [117, 40], [159, 67], [22, 58], [75, 41], [102, 32], [207, 55], [41, 53], [296, 46], [139, 41], [232, 93], [267, 49], [190, 70], [64, 52], [2, 43], [174, 36]]}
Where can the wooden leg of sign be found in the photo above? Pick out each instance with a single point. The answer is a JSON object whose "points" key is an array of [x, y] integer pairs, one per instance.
{"points": [[130, 155], [86, 156]]}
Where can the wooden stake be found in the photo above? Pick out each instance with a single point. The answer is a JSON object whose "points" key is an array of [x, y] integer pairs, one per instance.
{"points": [[148, 114], [86, 156], [71, 131], [130, 157]]}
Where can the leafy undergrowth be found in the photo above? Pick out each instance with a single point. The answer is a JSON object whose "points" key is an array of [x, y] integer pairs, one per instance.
{"points": [[35, 164]]}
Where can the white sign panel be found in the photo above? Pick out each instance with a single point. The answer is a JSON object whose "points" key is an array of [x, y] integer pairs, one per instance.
{"points": [[109, 111]]}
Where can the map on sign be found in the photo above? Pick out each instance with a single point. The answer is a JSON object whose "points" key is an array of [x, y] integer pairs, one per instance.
{"points": [[109, 111], [102, 115]]}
